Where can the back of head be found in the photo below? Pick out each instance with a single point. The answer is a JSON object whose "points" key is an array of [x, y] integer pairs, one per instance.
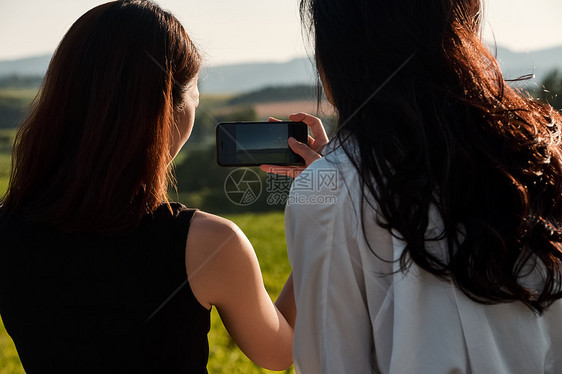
{"points": [[435, 123], [94, 153], [358, 37]]}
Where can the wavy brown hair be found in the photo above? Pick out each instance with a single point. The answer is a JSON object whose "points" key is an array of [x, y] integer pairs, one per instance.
{"points": [[446, 131], [94, 153]]}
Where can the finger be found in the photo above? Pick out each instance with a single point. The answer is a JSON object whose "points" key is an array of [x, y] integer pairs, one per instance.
{"points": [[290, 171], [315, 125], [273, 119], [316, 146], [308, 154]]}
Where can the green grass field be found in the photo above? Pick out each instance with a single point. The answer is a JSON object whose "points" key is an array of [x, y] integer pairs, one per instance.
{"points": [[23, 94], [267, 234]]}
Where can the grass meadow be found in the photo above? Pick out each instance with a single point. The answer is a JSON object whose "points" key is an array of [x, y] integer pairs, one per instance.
{"points": [[265, 231]]}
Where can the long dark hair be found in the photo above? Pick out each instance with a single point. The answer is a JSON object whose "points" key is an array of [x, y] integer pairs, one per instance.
{"points": [[446, 132], [94, 153]]}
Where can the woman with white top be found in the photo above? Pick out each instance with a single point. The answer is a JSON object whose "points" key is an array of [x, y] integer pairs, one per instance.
{"points": [[428, 239]]}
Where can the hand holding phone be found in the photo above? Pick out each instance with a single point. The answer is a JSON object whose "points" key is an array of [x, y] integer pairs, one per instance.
{"points": [[310, 151], [258, 143]]}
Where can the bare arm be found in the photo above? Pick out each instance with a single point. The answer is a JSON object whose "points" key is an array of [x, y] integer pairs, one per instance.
{"points": [[224, 272], [286, 302]]}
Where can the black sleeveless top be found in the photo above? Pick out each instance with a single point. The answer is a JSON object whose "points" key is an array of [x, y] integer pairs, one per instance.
{"points": [[102, 303]]}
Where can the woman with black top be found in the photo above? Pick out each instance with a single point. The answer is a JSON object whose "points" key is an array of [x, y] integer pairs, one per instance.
{"points": [[98, 271]]}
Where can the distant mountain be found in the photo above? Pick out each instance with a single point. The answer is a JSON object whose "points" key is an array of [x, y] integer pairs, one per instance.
{"points": [[249, 77], [539, 63], [239, 78], [36, 65]]}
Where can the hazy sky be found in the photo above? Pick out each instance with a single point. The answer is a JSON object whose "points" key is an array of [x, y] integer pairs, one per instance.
{"points": [[252, 30]]}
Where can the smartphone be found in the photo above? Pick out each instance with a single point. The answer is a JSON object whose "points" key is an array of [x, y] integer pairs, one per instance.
{"points": [[257, 143]]}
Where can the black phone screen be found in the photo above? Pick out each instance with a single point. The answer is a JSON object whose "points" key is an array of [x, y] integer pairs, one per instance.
{"points": [[256, 143]]}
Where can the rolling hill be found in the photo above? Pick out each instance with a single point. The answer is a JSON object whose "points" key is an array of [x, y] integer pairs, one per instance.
{"points": [[238, 78]]}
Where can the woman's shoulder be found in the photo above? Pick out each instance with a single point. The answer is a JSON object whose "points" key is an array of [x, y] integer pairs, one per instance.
{"points": [[211, 226], [215, 250], [204, 228], [213, 237]]}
